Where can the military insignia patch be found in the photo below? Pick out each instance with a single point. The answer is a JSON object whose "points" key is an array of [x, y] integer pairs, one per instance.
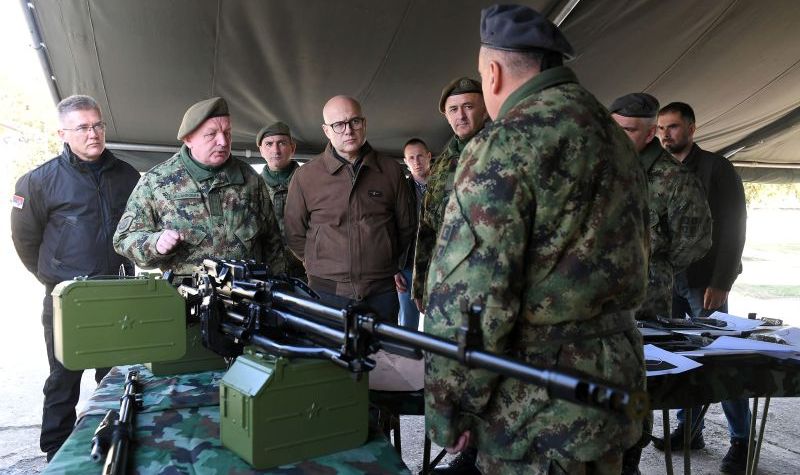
{"points": [[125, 222], [17, 201], [465, 83]]}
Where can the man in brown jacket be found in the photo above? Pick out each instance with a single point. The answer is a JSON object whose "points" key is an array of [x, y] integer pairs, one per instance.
{"points": [[348, 215]]}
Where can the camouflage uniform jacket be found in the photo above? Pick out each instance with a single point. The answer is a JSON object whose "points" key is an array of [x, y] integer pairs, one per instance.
{"points": [[680, 225], [546, 225], [220, 213], [278, 186], [440, 184]]}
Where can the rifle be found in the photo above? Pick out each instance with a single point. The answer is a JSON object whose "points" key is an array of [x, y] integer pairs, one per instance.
{"points": [[115, 432], [241, 303]]}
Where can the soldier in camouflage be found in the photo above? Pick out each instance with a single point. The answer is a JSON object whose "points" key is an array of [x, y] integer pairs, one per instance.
{"points": [[277, 147], [200, 203], [680, 220], [462, 105], [546, 225]]}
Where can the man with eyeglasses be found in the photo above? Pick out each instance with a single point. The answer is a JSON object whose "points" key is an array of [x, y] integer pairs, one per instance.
{"points": [[349, 214], [62, 219], [277, 148], [200, 203]]}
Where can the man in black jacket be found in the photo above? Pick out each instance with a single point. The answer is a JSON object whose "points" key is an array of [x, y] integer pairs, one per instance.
{"points": [[703, 287], [63, 218]]}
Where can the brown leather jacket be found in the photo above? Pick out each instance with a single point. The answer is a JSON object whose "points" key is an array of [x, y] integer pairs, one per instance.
{"points": [[350, 230]]}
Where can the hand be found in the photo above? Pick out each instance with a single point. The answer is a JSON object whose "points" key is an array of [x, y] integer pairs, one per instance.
{"points": [[461, 443], [420, 305], [400, 282], [168, 241], [714, 298]]}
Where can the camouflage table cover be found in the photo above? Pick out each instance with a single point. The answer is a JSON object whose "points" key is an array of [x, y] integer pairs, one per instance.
{"points": [[723, 377], [177, 432]]}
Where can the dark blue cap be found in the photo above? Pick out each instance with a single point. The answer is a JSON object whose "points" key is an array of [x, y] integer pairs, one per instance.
{"points": [[635, 104], [520, 28]]}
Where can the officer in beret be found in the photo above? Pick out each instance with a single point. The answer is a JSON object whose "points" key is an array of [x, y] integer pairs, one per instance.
{"points": [[462, 104], [200, 203], [546, 227], [277, 148], [680, 220]]}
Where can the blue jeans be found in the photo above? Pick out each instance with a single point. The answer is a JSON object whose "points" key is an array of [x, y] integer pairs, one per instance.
{"points": [[409, 315], [688, 300]]}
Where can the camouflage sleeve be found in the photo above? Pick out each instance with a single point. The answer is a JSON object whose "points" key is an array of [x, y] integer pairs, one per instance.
{"points": [[295, 217], [271, 241], [138, 229], [689, 220], [479, 256], [426, 240]]}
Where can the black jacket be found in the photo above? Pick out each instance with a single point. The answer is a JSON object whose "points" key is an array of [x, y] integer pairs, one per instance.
{"points": [[63, 218], [725, 193]]}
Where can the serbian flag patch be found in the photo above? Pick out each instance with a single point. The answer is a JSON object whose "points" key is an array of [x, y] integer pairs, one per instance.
{"points": [[17, 201]]}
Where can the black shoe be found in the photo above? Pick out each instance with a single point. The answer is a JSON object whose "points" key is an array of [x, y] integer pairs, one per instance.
{"points": [[676, 440], [735, 461], [463, 464], [630, 461]]}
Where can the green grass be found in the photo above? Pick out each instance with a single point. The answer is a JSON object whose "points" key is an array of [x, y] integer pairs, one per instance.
{"points": [[768, 291]]}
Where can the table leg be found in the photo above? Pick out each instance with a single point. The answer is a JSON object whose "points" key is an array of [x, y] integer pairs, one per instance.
{"points": [[667, 441], [687, 440], [752, 465], [752, 435]]}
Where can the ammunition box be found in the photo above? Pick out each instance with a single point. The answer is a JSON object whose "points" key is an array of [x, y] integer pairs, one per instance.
{"points": [[110, 322], [275, 411], [197, 357]]}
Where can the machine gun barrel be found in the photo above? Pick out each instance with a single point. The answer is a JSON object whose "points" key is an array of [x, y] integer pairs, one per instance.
{"points": [[122, 428], [264, 310]]}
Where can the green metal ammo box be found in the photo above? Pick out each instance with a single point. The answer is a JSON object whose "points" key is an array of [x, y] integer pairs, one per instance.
{"points": [[275, 411], [197, 357], [109, 322]]}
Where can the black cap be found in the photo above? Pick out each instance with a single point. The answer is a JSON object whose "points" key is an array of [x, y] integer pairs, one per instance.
{"points": [[520, 28], [635, 104], [462, 85]]}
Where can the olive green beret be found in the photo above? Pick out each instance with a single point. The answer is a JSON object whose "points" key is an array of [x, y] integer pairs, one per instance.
{"points": [[521, 28], [635, 104], [278, 128], [458, 86], [200, 112]]}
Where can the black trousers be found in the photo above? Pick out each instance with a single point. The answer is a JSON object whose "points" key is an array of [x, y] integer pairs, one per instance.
{"points": [[384, 304], [61, 390]]}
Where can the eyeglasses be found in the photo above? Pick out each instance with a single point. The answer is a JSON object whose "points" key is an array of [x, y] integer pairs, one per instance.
{"points": [[356, 123], [84, 129]]}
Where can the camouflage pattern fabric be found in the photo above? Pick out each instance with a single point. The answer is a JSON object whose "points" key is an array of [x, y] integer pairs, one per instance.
{"points": [[225, 212], [185, 438], [546, 226], [278, 186], [724, 377], [680, 226], [439, 185]]}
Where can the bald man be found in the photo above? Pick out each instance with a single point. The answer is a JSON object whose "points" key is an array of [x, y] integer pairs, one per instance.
{"points": [[349, 215]]}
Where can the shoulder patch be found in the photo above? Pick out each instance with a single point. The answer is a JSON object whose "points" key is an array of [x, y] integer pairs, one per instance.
{"points": [[125, 222], [17, 201]]}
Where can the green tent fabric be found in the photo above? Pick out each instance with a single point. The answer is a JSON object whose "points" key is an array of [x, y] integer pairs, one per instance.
{"points": [[736, 62]]}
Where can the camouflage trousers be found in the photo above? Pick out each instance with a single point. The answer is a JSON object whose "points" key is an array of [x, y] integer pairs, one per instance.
{"points": [[608, 464]]}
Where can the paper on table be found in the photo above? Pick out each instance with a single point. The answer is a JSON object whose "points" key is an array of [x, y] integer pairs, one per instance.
{"points": [[659, 361], [791, 335], [733, 343], [736, 323]]}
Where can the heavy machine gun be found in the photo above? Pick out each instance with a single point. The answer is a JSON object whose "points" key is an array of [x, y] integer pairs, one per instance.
{"points": [[239, 303]]}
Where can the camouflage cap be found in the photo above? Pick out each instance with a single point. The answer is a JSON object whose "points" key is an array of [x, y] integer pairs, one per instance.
{"points": [[635, 104], [200, 112], [278, 128], [521, 28], [458, 86]]}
